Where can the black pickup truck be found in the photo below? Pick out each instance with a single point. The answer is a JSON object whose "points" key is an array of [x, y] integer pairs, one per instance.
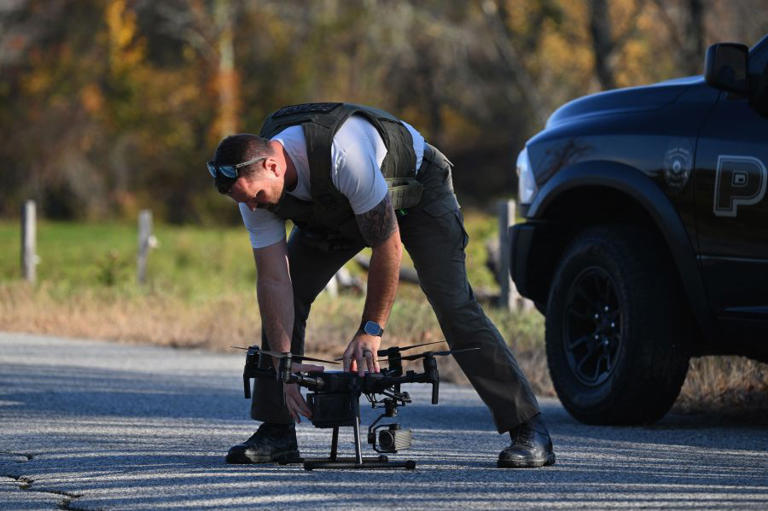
{"points": [[646, 234]]}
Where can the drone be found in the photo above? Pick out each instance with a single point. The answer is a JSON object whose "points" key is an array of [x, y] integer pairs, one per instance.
{"points": [[334, 400]]}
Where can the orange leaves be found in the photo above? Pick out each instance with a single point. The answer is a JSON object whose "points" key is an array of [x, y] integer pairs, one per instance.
{"points": [[92, 98], [126, 48]]}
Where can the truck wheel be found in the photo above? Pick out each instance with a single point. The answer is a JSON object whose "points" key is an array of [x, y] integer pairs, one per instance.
{"points": [[615, 328]]}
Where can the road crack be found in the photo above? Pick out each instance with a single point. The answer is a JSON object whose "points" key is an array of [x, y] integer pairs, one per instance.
{"points": [[25, 484]]}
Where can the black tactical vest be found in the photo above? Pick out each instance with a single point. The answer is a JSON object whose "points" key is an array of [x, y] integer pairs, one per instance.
{"points": [[329, 216]]}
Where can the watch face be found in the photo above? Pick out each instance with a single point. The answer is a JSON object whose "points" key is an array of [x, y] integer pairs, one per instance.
{"points": [[372, 328]]}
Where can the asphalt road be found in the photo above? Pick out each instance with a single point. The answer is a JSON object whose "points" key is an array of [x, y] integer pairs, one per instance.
{"points": [[90, 425]]}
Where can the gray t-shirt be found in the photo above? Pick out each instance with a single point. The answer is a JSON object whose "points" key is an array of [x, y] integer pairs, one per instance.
{"points": [[356, 154]]}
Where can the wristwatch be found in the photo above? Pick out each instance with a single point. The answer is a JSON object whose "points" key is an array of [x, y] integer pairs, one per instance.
{"points": [[372, 328]]}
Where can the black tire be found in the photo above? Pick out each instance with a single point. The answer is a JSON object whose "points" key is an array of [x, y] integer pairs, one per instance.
{"points": [[616, 328]]}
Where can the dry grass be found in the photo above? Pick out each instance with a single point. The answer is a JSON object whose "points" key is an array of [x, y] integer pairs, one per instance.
{"points": [[233, 320], [99, 314], [728, 385]]}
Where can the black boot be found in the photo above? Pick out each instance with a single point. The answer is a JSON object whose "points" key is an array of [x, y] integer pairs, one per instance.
{"points": [[272, 442], [531, 446]]}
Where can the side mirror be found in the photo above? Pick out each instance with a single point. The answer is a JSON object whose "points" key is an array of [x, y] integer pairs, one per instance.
{"points": [[725, 67]]}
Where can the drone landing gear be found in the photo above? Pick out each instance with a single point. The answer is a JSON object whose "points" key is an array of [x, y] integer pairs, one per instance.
{"points": [[358, 462]]}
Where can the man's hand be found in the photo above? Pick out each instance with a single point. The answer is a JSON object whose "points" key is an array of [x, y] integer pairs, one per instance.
{"points": [[361, 354], [294, 401]]}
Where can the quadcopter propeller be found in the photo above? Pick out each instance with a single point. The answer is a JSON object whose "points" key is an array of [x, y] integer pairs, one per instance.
{"points": [[398, 349], [405, 348], [438, 353], [277, 354]]}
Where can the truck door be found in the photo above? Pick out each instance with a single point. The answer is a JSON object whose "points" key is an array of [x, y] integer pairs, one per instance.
{"points": [[732, 215]]}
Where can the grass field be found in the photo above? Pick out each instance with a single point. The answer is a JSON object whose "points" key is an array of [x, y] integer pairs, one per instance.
{"points": [[200, 292], [191, 263]]}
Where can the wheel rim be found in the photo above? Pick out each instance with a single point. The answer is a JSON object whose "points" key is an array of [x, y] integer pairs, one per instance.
{"points": [[593, 322]]}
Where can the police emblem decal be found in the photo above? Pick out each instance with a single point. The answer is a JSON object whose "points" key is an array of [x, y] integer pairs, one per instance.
{"points": [[677, 168]]}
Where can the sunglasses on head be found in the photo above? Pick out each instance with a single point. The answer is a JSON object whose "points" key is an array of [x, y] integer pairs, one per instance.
{"points": [[229, 170]]}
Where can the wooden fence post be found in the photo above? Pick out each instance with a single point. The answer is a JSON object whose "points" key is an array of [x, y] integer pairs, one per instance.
{"points": [[510, 298], [29, 259], [506, 212], [145, 236]]}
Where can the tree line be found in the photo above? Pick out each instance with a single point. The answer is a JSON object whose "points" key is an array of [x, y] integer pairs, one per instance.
{"points": [[111, 106]]}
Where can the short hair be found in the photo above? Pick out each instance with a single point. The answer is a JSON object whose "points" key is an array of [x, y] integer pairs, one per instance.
{"points": [[237, 149]]}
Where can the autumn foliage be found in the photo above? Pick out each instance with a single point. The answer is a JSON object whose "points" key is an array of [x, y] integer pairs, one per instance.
{"points": [[109, 106]]}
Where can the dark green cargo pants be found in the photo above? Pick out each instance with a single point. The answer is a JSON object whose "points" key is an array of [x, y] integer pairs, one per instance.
{"points": [[433, 233]]}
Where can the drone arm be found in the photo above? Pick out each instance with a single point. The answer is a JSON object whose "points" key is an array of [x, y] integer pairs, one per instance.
{"points": [[380, 383], [312, 383]]}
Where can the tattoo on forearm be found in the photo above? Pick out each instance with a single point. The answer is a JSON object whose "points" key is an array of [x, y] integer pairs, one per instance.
{"points": [[378, 224]]}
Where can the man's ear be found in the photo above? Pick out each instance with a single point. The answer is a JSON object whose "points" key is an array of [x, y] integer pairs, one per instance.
{"points": [[273, 166]]}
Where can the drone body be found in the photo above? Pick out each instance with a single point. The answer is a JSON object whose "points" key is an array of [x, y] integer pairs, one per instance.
{"points": [[334, 400]]}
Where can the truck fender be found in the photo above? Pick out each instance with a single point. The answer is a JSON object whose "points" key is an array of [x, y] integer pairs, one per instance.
{"points": [[652, 199]]}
